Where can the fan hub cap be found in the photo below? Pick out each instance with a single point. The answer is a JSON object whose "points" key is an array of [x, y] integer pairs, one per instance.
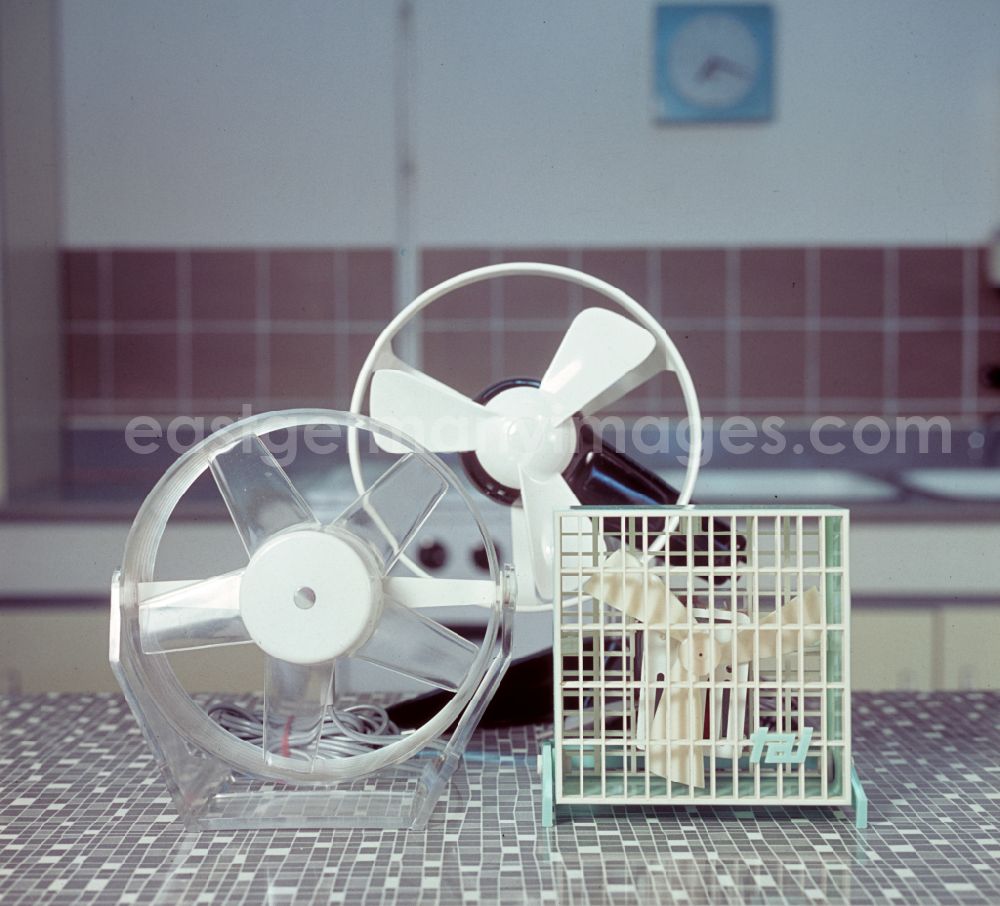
{"points": [[311, 595], [529, 435]]}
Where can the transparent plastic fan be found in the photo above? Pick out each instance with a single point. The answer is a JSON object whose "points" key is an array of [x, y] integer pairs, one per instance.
{"points": [[311, 595]]}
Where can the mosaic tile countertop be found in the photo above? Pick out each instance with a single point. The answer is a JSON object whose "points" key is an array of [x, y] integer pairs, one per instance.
{"points": [[84, 818]]}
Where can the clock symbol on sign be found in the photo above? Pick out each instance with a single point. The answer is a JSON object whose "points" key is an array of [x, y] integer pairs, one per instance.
{"points": [[714, 62]]}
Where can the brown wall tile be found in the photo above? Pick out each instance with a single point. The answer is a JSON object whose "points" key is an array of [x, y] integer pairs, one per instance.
{"points": [[850, 364], [536, 297], [704, 353], [82, 375], [989, 295], [634, 403], [438, 265], [301, 284], [930, 364], [303, 369], [224, 285], [625, 269], [930, 282], [370, 284], [470, 304], [989, 365], [309, 368], [693, 283], [773, 282], [452, 358], [80, 286], [224, 366], [852, 282], [145, 366], [144, 285], [527, 353], [359, 345], [659, 396], [772, 364]]}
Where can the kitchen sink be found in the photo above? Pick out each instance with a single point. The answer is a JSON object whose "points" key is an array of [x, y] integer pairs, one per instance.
{"points": [[954, 484]]}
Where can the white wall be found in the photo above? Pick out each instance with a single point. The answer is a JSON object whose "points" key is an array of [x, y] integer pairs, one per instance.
{"points": [[237, 123], [231, 122]]}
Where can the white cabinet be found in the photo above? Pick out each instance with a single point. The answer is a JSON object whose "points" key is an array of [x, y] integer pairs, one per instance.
{"points": [[926, 605], [967, 637], [892, 647]]}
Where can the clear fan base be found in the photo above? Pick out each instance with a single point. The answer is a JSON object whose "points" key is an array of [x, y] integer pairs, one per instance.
{"points": [[390, 800], [210, 795]]}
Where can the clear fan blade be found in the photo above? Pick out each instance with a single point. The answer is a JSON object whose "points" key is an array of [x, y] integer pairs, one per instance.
{"points": [[599, 349], [414, 591], [392, 510], [541, 498], [296, 697], [176, 616], [409, 643], [432, 413], [258, 493]]}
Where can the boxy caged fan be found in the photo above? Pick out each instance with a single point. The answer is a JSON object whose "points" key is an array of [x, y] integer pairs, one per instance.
{"points": [[675, 688], [526, 443], [312, 594]]}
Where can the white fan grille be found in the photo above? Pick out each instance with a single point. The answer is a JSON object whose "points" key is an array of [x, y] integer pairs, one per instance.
{"points": [[770, 723]]}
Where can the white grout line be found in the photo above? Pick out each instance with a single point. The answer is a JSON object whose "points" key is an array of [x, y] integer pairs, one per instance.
{"points": [[970, 330], [890, 337], [472, 325], [475, 325], [157, 328], [654, 284], [343, 379], [496, 322], [574, 259], [733, 328], [105, 310], [262, 326], [812, 332], [185, 340]]}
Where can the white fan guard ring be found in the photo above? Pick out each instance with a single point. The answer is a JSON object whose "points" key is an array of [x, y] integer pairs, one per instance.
{"points": [[154, 672], [382, 355]]}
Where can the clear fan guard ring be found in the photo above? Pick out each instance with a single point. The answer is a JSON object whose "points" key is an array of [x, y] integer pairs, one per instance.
{"points": [[154, 672], [665, 346]]}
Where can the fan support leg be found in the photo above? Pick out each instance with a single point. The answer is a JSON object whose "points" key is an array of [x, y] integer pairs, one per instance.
{"points": [[547, 757], [859, 800]]}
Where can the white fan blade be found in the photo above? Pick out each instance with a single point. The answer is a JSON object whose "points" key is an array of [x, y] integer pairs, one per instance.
{"points": [[414, 591], [435, 415], [542, 497], [599, 349], [409, 643], [390, 513], [296, 697], [178, 616], [261, 499], [388, 360], [653, 364], [522, 558]]}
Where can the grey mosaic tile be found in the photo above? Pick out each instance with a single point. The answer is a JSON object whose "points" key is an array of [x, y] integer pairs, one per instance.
{"points": [[85, 818]]}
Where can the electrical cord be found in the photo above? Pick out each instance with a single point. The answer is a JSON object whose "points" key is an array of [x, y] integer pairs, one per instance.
{"points": [[356, 730]]}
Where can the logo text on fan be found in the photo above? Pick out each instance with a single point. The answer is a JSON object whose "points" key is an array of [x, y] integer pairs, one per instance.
{"points": [[779, 748]]}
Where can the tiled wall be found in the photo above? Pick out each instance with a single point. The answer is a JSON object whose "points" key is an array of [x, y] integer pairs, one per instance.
{"points": [[786, 331]]}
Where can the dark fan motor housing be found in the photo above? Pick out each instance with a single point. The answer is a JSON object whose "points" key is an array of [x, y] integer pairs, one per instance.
{"points": [[600, 475]]}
